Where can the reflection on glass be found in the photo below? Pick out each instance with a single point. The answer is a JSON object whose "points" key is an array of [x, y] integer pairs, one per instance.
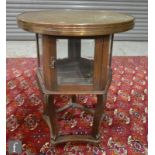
{"points": [[75, 62]]}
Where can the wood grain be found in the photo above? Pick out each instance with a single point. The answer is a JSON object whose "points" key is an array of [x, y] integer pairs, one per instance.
{"points": [[49, 51], [75, 22]]}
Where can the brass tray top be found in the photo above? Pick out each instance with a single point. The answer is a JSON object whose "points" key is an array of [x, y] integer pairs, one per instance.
{"points": [[75, 22]]}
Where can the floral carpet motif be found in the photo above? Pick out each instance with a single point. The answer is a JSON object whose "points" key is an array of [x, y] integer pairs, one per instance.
{"points": [[124, 125]]}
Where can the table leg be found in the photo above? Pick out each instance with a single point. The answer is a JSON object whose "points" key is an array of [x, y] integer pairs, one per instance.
{"points": [[51, 114], [101, 99], [73, 98]]}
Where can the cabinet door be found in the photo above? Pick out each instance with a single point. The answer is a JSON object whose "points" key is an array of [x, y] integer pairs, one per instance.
{"points": [[47, 66], [75, 63]]}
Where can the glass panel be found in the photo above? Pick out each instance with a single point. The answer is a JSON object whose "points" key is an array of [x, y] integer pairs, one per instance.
{"points": [[75, 61]]}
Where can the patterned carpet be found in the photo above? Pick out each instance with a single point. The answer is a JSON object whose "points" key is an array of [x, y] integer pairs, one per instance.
{"points": [[124, 125]]}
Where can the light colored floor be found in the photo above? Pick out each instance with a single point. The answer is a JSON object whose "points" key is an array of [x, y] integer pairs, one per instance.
{"points": [[120, 48]]}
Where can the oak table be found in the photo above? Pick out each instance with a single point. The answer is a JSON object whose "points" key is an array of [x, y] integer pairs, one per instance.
{"points": [[74, 73]]}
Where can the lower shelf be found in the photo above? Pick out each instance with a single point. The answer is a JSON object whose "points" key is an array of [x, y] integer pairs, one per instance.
{"points": [[69, 138], [74, 138]]}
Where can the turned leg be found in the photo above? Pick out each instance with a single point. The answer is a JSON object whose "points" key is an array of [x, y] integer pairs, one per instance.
{"points": [[101, 99], [51, 116]]}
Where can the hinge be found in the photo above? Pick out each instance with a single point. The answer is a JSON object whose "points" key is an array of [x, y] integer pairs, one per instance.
{"points": [[52, 62]]}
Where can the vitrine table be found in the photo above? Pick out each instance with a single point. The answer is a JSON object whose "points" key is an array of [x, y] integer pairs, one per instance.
{"points": [[74, 73]]}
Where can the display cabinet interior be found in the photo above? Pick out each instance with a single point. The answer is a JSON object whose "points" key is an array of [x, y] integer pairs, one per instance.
{"points": [[74, 63]]}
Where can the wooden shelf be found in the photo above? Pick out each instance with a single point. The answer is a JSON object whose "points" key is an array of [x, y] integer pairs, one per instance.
{"points": [[56, 92]]}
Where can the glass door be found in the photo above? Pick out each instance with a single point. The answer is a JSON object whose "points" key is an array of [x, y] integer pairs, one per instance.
{"points": [[74, 61]]}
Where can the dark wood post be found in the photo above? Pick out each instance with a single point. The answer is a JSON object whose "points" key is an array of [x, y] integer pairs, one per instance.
{"points": [[103, 50], [51, 113], [37, 48], [74, 49], [101, 99]]}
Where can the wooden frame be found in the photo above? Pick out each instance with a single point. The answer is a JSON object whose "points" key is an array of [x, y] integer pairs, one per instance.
{"points": [[101, 61], [101, 81]]}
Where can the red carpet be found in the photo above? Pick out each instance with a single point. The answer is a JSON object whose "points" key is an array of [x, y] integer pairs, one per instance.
{"points": [[124, 125]]}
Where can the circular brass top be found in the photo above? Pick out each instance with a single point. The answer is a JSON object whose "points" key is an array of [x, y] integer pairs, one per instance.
{"points": [[75, 22]]}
